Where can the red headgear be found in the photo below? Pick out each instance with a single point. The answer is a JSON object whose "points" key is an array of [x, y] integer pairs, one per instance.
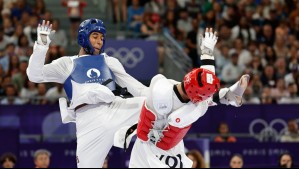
{"points": [[200, 84]]}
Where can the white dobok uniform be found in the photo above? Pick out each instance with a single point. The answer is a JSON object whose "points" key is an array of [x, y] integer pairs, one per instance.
{"points": [[104, 113], [162, 112]]}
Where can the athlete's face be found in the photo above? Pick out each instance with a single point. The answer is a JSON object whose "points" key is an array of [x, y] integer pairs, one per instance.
{"points": [[96, 39]]}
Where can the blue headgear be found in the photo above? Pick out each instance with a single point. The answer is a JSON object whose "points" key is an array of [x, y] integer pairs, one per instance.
{"points": [[86, 28]]}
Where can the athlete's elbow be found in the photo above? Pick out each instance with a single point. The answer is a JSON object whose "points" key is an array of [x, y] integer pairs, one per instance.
{"points": [[32, 76]]}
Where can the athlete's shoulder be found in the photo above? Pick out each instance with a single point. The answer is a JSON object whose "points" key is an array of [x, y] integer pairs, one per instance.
{"points": [[65, 60], [159, 77], [68, 58], [107, 56], [113, 63], [161, 93], [110, 58]]}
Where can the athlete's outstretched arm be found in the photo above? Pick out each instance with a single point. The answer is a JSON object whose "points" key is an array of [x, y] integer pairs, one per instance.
{"points": [[233, 95], [38, 72], [228, 96], [207, 48]]}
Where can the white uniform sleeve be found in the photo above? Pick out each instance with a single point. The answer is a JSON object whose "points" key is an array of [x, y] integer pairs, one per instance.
{"points": [[123, 79], [58, 71], [187, 114], [208, 67], [174, 82]]}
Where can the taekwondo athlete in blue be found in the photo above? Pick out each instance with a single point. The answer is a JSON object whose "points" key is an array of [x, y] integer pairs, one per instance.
{"points": [[89, 79]]}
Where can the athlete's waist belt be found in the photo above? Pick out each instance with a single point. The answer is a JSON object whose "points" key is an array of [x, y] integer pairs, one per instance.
{"points": [[80, 106]]}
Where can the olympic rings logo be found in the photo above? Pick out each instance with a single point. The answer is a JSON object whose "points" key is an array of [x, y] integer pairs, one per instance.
{"points": [[129, 58], [264, 131]]}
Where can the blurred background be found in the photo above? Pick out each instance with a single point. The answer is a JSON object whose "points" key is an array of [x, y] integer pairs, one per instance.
{"points": [[257, 37]]}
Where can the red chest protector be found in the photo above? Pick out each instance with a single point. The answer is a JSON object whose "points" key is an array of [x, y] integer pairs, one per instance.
{"points": [[171, 136]]}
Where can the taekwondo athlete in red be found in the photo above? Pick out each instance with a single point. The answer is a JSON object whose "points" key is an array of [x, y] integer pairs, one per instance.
{"points": [[89, 80], [171, 108]]}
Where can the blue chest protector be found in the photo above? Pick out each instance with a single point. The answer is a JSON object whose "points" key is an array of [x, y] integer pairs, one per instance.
{"points": [[90, 69]]}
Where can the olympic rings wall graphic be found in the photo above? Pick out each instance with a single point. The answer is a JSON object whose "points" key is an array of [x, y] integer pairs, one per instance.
{"points": [[264, 131], [128, 57]]}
